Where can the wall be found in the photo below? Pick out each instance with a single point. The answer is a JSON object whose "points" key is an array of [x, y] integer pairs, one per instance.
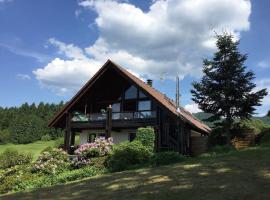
{"points": [[117, 136], [199, 143]]}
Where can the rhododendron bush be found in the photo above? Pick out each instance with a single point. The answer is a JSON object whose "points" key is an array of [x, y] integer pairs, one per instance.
{"points": [[51, 161], [100, 147]]}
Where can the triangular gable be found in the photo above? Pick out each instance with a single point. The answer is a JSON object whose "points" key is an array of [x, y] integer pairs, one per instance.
{"points": [[159, 97]]}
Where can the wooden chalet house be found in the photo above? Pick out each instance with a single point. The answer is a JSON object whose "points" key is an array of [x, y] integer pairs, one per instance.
{"points": [[114, 103]]}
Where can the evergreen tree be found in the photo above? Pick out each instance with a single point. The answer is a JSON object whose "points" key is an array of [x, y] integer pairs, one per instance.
{"points": [[268, 114], [226, 89]]}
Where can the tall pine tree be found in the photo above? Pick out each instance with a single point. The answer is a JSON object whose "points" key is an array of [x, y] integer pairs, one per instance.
{"points": [[226, 90]]}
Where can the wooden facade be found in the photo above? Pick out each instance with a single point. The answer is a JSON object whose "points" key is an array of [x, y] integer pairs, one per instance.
{"points": [[115, 100]]}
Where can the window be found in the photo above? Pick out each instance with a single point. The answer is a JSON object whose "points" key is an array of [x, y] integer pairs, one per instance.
{"points": [[130, 105], [91, 137], [116, 107], [144, 105], [131, 93], [141, 94], [131, 136]]}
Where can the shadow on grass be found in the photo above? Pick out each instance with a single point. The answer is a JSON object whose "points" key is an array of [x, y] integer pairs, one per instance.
{"points": [[241, 175]]}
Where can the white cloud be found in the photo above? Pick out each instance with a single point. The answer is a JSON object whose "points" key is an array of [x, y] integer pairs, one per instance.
{"points": [[172, 36], [193, 108], [23, 76], [64, 76], [264, 64], [70, 51]]}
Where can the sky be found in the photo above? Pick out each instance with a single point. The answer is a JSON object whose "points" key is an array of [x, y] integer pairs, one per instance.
{"points": [[49, 49]]}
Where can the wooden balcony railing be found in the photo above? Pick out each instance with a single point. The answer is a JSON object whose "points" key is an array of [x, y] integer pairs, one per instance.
{"points": [[115, 116]]}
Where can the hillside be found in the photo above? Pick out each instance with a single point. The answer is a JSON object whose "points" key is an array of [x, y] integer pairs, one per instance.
{"points": [[203, 116], [236, 175]]}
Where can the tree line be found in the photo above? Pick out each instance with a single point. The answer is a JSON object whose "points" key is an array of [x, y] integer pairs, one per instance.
{"points": [[28, 123]]}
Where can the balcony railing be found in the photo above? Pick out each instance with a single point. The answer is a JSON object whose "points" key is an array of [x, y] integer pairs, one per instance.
{"points": [[115, 116]]}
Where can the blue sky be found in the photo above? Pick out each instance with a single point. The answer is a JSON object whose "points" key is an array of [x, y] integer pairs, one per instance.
{"points": [[48, 49]]}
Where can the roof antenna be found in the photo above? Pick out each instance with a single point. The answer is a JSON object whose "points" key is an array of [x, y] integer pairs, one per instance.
{"points": [[177, 94]]}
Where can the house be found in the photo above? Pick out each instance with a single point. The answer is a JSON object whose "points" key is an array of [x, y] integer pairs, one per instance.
{"points": [[114, 103]]}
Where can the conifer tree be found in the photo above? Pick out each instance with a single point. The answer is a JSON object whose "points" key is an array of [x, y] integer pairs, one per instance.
{"points": [[226, 89]]}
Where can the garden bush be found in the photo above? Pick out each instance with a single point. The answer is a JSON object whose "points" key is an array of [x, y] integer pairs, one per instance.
{"points": [[11, 157], [128, 154], [98, 162], [46, 137], [51, 161], [265, 139], [12, 178], [255, 124], [63, 177], [100, 147], [146, 136], [166, 157], [77, 174]]}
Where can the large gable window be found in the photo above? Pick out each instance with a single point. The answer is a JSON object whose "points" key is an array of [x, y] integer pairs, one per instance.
{"points": [[131, 93], [144, 105], [141, 94]]}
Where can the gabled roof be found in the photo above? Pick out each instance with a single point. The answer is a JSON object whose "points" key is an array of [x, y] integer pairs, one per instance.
{"points": [[158, 96]]}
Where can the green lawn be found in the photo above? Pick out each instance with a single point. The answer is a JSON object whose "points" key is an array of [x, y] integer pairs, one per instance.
{"points": [[238, 175], [34, 148]]}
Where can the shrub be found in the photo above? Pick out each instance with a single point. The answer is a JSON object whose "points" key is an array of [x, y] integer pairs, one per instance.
{"points": [[256, 125], [100, 147], [65, 176], [146, 136], [126, 155], [88, 151], [51, 161], [221, 149], [11, 157], [98, 162], [265, 140], [77, 174], [13, 178], [46, 137], [166, 157]]}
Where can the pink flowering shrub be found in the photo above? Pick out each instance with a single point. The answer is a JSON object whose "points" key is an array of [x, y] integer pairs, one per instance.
{"points": [[51, 161], [101, 147]]}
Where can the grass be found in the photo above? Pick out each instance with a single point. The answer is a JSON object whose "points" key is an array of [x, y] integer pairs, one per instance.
{"points": [[236, 175], [35, 148]]}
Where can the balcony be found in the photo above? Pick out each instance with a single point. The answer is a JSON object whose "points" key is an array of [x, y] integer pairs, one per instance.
{"points": [[119, 119]]}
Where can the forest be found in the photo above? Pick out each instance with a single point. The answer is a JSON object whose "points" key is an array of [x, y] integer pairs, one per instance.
{"points": [[28, 123]]}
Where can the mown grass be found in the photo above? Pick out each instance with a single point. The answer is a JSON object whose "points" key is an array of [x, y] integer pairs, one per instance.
{"points": [[34, 148], [241, 174]]}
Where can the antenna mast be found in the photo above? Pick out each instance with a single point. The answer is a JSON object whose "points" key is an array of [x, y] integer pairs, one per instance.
{"points": [[177, 94]]}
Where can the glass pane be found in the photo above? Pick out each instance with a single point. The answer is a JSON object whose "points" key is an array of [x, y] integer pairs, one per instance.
{"points": [[141, 94], [131, 93], [144, 105], [116, 107]]}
